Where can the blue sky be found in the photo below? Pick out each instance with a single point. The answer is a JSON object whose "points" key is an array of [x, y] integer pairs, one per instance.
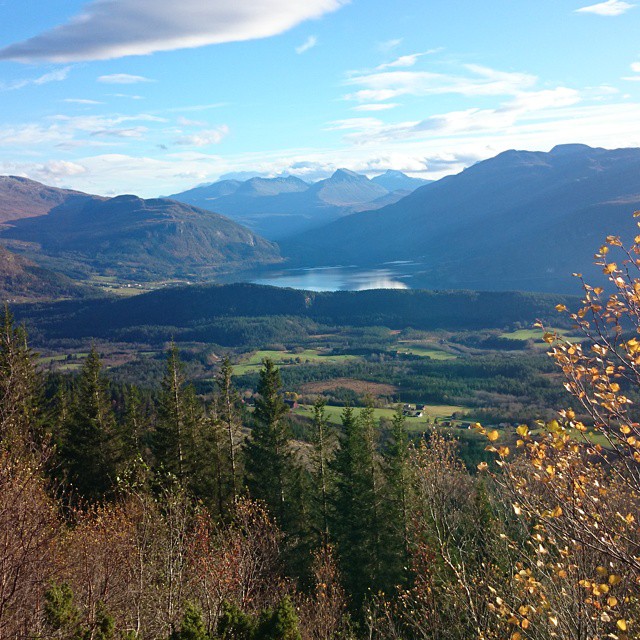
{"points": [[155, 96]]}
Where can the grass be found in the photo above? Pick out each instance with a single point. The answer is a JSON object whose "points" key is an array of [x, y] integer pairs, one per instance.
{"points": [[415, 424], [536, 335], [434, 354], [253, 363]]}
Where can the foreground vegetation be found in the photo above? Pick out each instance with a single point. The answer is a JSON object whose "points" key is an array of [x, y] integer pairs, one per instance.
{"points": [[134, 513]]}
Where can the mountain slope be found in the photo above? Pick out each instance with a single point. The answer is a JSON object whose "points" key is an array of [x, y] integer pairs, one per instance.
{"points": [[21, 280], [521, 220], [24, 198], [280, 207], [141, 239]]}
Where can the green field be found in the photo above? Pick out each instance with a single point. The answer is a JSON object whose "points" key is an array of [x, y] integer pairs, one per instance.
{"points": [[253, 362], [434, 354], [414, 424], [536, 335]]}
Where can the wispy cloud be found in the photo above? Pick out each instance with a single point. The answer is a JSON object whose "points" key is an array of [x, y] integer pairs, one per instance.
{"points": [[112, 28], [376, 106], [130, 132], [309, 43], [123, 78], [81, 101], [389, 45], [204, 138], [608, 8], [185, 122], [405, 61], [479, 81], [195, 107], [57, 75], [523, 107]]}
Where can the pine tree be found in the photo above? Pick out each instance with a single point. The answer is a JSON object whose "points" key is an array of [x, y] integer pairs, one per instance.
{"points": [[269, 460], [136, 424], [92, 450], [228, 414], [18, 385], [323, 445], [398, 490], [192, 626], [279, 624], [178, 416], [354, 510]]}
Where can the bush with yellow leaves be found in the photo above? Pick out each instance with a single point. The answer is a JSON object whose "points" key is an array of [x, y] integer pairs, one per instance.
{"points": [[576, 484]]}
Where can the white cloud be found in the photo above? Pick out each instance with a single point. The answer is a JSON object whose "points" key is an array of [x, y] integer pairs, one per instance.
{"points": [[608, 8], [376, 106], [57, 75], [185, 122], [480, 81], [405, 61], [204, 138], [81, 101], [108, 29], [635, 67], [71, 132], [309, 43], [123, 78], [389, 45], [132, 132], [525, 106], [62, 168]]}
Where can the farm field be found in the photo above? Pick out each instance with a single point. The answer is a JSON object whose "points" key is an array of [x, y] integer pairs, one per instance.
{"points": [[424, 352], [414, 424], [253, 362]]}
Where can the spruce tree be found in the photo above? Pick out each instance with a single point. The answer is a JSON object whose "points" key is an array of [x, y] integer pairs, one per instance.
{"points": [[228, 403], [92, 450], [19, 384], [354, 509], [178, 416], [398, 492], [269, 459], [323, 438]]}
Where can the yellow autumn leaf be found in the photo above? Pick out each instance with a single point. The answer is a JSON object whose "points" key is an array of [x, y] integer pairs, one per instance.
{"points": [[610, 268], [483, 466], [493, 435], [622, 625], [522, 430]]}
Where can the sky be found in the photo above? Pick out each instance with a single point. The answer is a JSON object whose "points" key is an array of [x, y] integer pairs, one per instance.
{"points": [[153, 97]]}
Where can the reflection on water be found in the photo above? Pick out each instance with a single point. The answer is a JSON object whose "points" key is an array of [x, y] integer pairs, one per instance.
{"points": [[335, 279]]}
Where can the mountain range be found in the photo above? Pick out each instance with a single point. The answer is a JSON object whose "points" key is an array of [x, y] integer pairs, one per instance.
{"points": [[279, 207], [521, 220], [82, 235]]}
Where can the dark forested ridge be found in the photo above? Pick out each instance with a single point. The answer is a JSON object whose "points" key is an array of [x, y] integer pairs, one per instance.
{"points": [[521, 220], [199, 305]]}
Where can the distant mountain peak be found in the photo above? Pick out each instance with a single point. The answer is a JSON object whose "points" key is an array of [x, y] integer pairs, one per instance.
{"points": [[394, 180], [567, 149], [346, 174]]}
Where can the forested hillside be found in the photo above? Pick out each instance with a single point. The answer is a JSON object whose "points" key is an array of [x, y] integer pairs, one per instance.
{"points": [[199, 307]]}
